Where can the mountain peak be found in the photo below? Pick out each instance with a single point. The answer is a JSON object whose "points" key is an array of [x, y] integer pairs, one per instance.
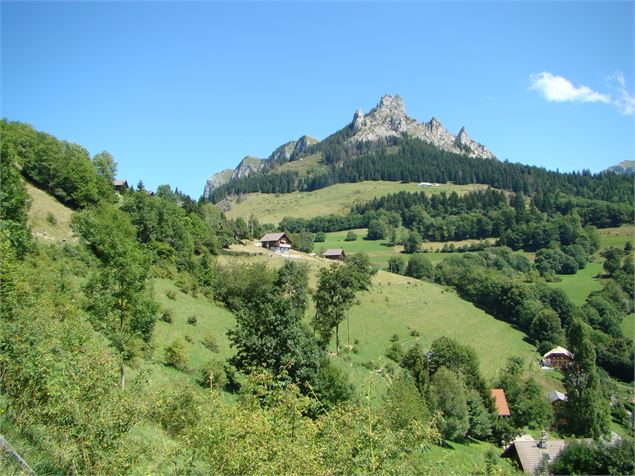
{"points": [[389, 119]]}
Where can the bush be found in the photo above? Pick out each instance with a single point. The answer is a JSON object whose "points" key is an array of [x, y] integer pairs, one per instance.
{"points": [[395, 352], [210, 342], [167, 316], [51, 218], [376, 230], [189, 339], [192, 320], [175, 355], [419, 267], [213, 375], [320, 237], [351, 236], [171, 294]]}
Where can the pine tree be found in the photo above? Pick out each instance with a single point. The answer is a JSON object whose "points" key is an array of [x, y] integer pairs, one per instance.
{"points": [[586, 410]]}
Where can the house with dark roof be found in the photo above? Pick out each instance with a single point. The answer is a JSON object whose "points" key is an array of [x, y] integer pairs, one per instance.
{"points": [[502, 408], [278, 242], [335, 254], [120, 185]]}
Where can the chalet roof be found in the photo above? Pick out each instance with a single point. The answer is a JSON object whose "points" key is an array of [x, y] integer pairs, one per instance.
{"points": [[502, 408], [530, 454], [119, 183], [334, 252], [555, 396], [558, 350], [273, 236]]}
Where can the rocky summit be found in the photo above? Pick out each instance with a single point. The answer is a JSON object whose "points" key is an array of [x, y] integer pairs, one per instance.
{"points": [[389, 119]]}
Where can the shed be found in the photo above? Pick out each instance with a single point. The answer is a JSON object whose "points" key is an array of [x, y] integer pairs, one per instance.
{"points": [[336, 254], [278, 242], [502, 408], [557, 357], [556, 397]]}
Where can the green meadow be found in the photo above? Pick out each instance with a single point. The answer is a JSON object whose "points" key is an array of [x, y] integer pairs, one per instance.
{"points": [[336, 199]]}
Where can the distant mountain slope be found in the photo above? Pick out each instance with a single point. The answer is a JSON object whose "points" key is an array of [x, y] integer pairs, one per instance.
{"points": [[387, 120], [624, 167], [251, 164]]}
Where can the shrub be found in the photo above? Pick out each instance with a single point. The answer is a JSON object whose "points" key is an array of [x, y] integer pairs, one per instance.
{"points": [[171, 294], [189, 339], [210, 342], [175, 355], [395, 352], [320, 237], [213, 375], [167, 316], [351, 236], [51, 218], [192, 320]]}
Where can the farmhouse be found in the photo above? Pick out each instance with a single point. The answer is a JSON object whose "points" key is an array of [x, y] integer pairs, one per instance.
{"points": [[502, 408], [278, 242], [530, 454], [558, 357], [336, 254], [120, 185]]}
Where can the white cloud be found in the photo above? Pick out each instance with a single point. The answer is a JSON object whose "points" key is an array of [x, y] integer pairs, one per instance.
{"points": [[625, 102], [560, 89]]}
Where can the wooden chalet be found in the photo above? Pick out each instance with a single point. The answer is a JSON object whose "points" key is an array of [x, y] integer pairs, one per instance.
{"points": [[558, 357], [530, 454], [120, 185], [335, 254], [278, 242], [502, 408]]}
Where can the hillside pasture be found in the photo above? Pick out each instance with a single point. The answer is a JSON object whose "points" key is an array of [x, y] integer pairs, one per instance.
{"points": [[336, 199], [617, 236], [578, 286], [49, 219]]}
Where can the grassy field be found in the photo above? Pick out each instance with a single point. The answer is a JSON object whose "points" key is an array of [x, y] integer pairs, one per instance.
{"points": [[578, 286], [377, 250], [336, 199], [628, 326], [49, 219], [616, 236]]}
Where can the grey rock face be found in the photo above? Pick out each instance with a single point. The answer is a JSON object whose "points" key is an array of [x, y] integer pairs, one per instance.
{"points": [[216, 180], [389, 119], [246, 167]]}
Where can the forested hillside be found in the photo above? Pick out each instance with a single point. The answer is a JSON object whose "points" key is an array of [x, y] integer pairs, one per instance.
{"points": [[148, 344]]}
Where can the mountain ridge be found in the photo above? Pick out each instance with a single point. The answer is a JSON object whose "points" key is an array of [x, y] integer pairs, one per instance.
{"points": [[386, 120]]}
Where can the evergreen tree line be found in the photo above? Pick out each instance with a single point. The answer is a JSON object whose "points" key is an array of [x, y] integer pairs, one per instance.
{"points": [[413, 160]]}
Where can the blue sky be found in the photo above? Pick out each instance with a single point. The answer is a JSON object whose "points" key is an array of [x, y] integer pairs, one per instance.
{"points": [[177, 91]]}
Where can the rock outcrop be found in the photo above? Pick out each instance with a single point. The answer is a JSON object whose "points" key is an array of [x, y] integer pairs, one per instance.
{"points": [[247, 166], [389, 119], [216, 180]]}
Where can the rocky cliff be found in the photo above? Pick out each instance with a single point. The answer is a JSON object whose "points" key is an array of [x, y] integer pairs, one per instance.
{"points": [[389, 119]]}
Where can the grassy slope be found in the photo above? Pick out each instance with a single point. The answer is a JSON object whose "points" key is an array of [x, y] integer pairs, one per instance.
{"points": [[43, 206], [578, 286], [338, 199], [376, 250]]}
